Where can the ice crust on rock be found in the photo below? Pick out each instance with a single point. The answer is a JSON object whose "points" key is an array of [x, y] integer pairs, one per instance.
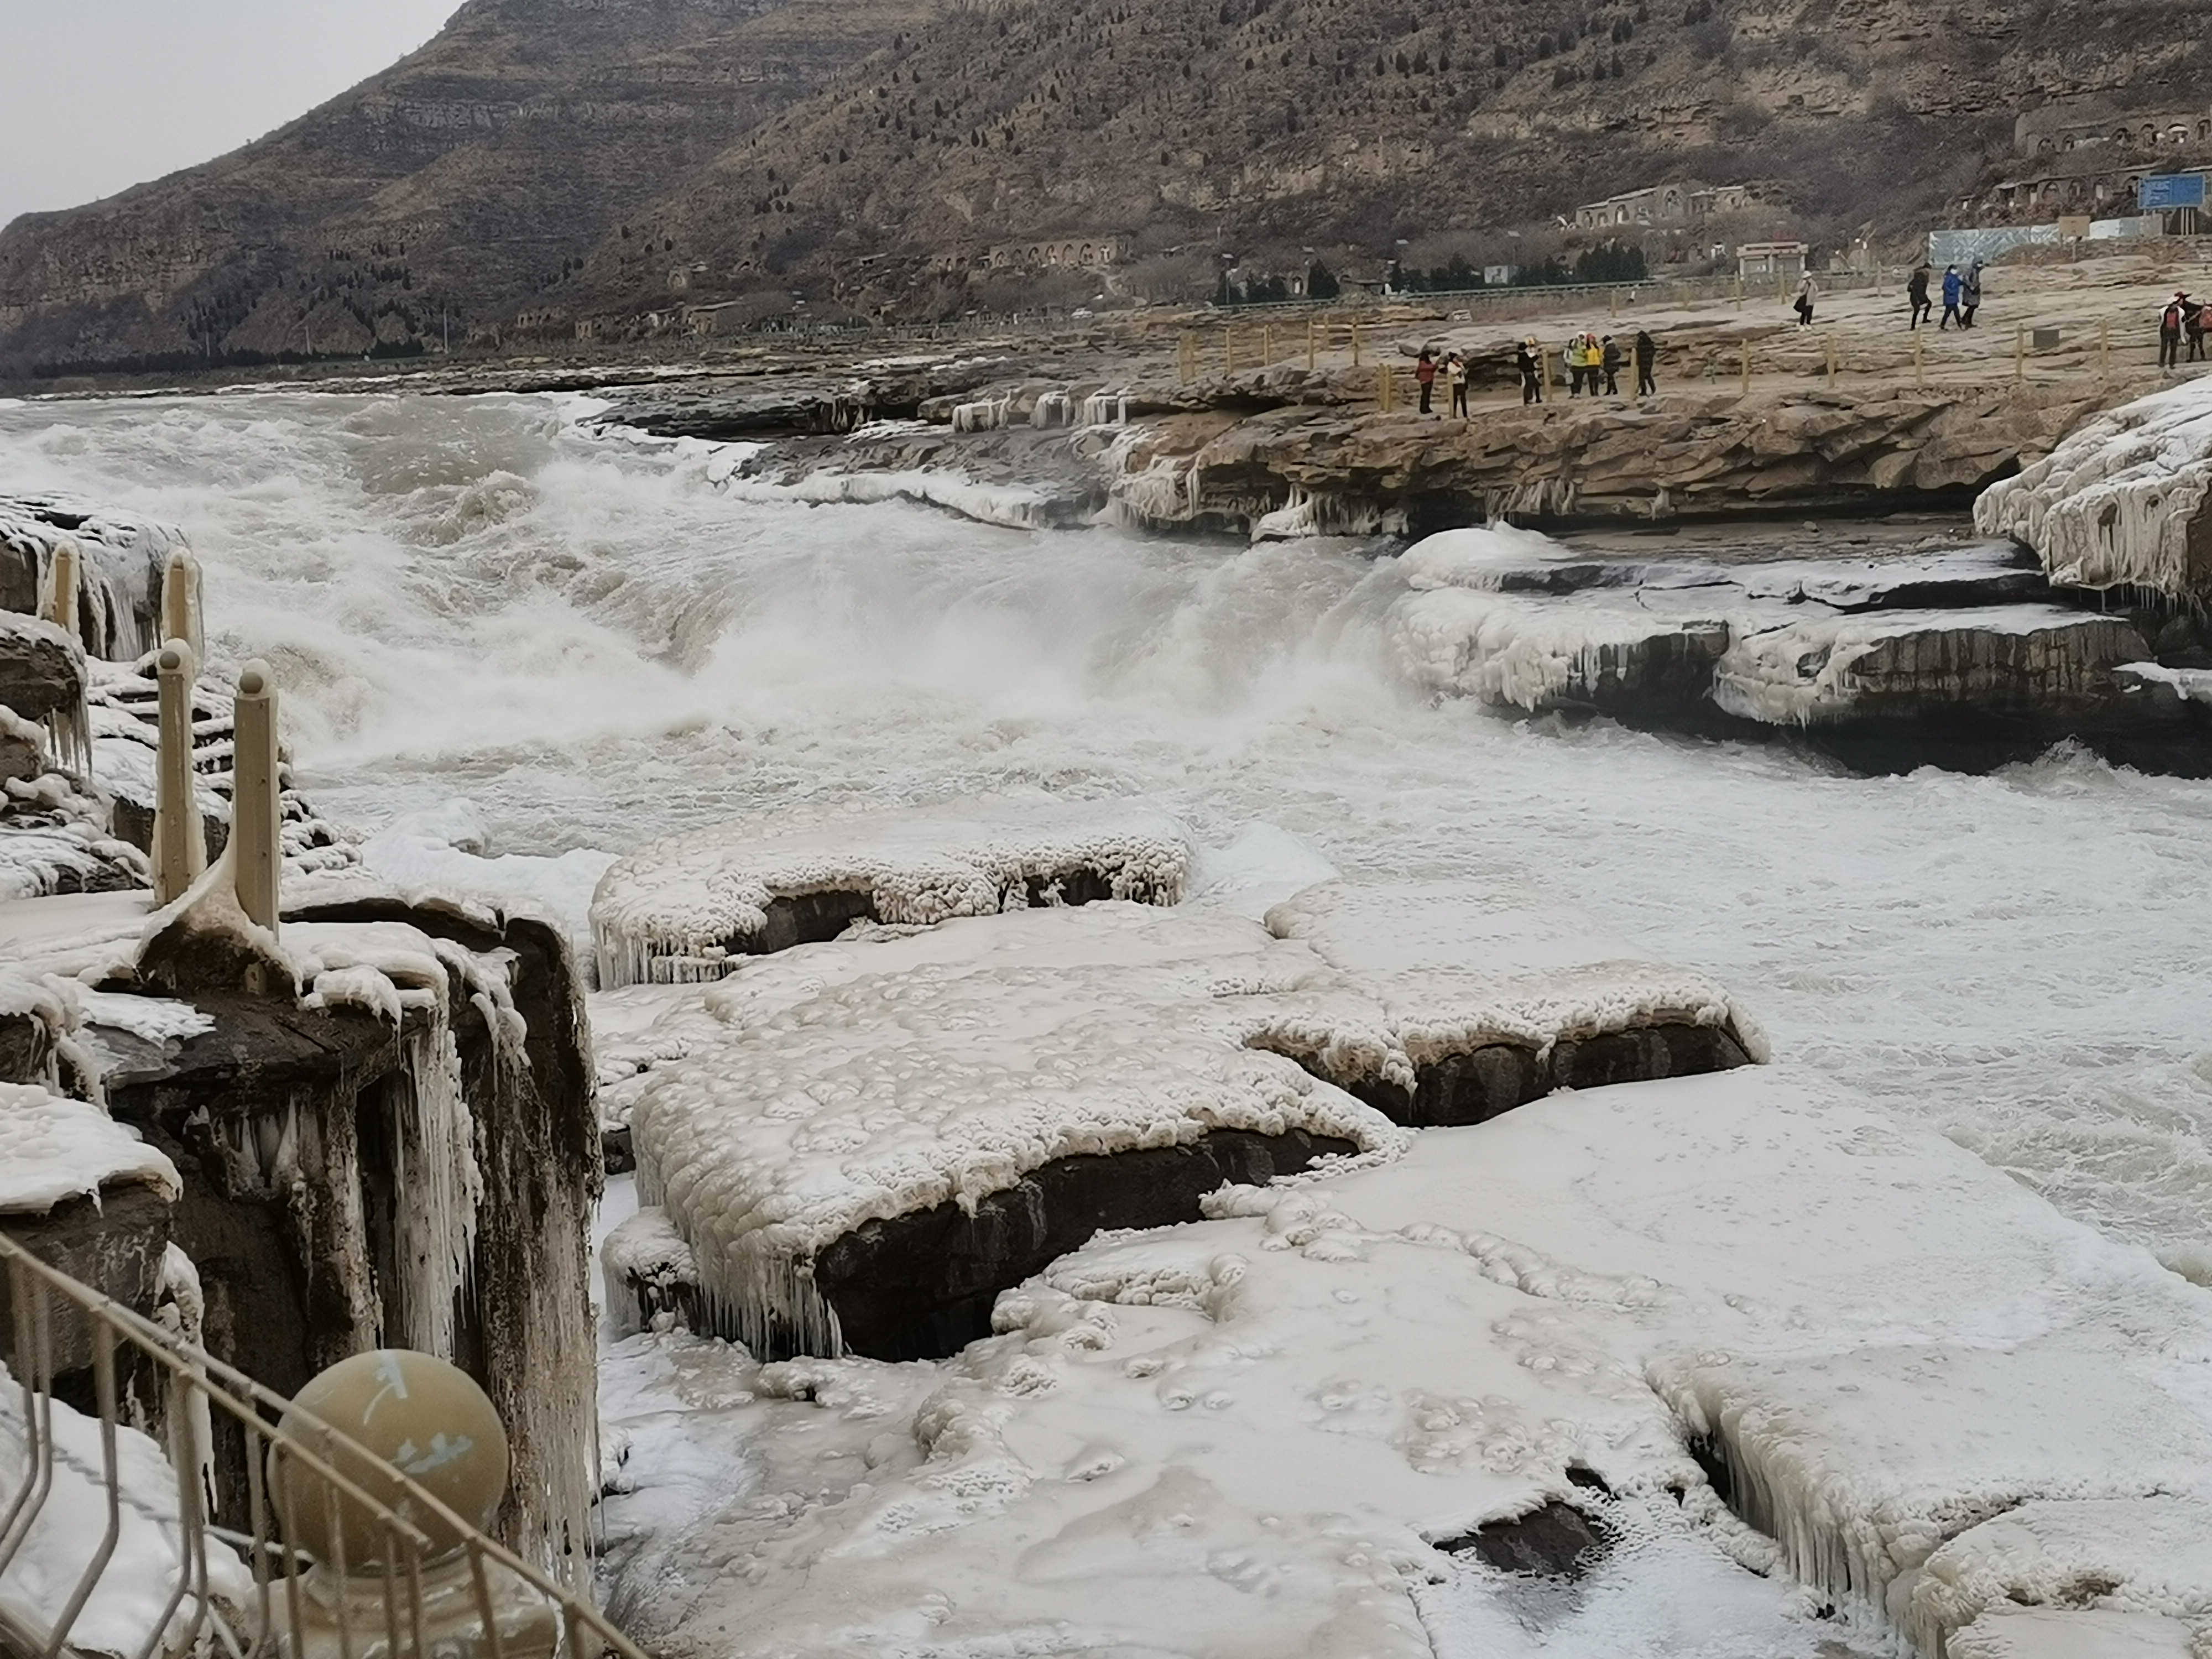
{"points": [[863, 1080], [1824, 668], [54, 1148], [2146, 1556], [684, 908], [1243, 1436], [2121, 501], [2010, 1632], [840, 1084], [120, 564]]}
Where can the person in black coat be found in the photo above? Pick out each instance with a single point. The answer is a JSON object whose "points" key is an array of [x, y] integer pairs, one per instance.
{"points": [[1917, 291], [1647, 353], [1532, 372]]}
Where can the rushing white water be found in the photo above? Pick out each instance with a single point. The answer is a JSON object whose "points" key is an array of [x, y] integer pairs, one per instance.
{"points": [[467, 598]]}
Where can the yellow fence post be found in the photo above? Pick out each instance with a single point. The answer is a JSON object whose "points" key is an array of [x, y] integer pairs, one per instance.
{"points": [[1355, 345], [1739, 290]]}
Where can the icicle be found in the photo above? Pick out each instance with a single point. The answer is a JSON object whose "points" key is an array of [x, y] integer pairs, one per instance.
{"points": [[439, 1185]]}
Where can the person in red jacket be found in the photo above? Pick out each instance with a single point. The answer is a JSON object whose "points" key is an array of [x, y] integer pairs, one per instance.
{"points": [[1425, 372]]}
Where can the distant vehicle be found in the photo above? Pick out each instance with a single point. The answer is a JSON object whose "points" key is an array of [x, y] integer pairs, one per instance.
{"points": [[1082, 311]]}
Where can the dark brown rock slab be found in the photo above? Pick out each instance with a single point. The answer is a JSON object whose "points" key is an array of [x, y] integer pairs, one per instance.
{"points": [[921, 1287]]}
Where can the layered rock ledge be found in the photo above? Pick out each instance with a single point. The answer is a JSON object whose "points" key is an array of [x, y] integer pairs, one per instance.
{"points": [[1956, 655]]}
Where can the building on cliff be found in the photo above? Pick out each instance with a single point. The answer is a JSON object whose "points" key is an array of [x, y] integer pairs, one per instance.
{"points": [[1676, 205]]}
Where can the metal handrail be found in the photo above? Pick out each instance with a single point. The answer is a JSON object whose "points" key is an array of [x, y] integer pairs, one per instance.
{"points": [[193, 1382]]}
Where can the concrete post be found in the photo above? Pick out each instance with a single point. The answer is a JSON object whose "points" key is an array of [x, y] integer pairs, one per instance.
{"points": [[58, 604], [1920, 366], [1355, 345], [1383, 389], [1229, 350], [180, 602], [1188, 356], [1266, 344], [1831, 361], [2105, 348], [1746, 368], [179, 838], [1312, 354], [2019, 351], [256, 813]]}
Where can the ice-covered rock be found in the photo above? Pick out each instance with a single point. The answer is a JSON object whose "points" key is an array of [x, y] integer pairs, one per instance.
{"points": [[875, 1136], [2143, 1559], [873, 1080], [687, 909], [2028, 662], [120, 564], [1605, 652], [2009, 1632], [1487, 999], [2121, 501], [1938, 655], [1247, 1435], [54, 1148]]}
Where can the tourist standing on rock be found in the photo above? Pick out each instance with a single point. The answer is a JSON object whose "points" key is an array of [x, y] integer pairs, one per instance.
{"points": [[1456, 377], [1424, 375], [2169, 332], [1917, 291], [1952, 285], [1808, 294], [1531, 372], [1609, 359], [1647, 353], [2193, 324], [1970, 295]]}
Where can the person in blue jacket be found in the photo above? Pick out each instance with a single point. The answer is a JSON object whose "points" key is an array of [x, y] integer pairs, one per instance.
{"points": [[1952, 284]]}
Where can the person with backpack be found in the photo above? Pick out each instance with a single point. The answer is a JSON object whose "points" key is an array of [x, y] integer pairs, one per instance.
{"points": [[1917, 291], [1456, 377], [1531, 372], [1808, 295], [1647, 353], [1953, 284], [1425, 376], [1609, 359], [2169, 332], [1970, 295]]}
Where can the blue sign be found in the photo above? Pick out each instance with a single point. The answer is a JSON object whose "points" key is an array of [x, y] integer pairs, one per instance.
{"points": [[2162, 191]]}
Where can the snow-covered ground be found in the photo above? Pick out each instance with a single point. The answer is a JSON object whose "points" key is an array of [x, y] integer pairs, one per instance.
{"points": [[597, 646]]}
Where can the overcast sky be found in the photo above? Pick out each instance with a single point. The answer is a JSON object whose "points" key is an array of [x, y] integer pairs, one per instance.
{"points": [[97, 95]]}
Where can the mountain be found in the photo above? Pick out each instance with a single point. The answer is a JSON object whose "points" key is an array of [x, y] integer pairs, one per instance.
{"points": [[552, 162], [461, 185]]}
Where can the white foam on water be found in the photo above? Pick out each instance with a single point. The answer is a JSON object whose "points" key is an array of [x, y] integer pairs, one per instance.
{"points": [[596, 645]]}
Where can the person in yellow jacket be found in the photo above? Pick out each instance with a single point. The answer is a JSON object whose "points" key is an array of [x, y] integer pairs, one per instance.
{"points": [[1584, 359]]}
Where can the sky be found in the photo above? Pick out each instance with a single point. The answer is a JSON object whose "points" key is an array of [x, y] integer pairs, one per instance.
{"points": [[97, 95]]}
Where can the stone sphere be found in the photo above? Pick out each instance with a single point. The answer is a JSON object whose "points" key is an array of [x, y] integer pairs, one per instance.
{"points": [[406, 1410]]}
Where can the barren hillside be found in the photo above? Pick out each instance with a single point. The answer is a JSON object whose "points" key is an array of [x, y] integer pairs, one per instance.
{"points": [[565, 162]]}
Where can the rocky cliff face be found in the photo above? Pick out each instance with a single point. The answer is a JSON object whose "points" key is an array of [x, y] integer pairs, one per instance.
{"points": [[559, 160], [459, 188]]}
